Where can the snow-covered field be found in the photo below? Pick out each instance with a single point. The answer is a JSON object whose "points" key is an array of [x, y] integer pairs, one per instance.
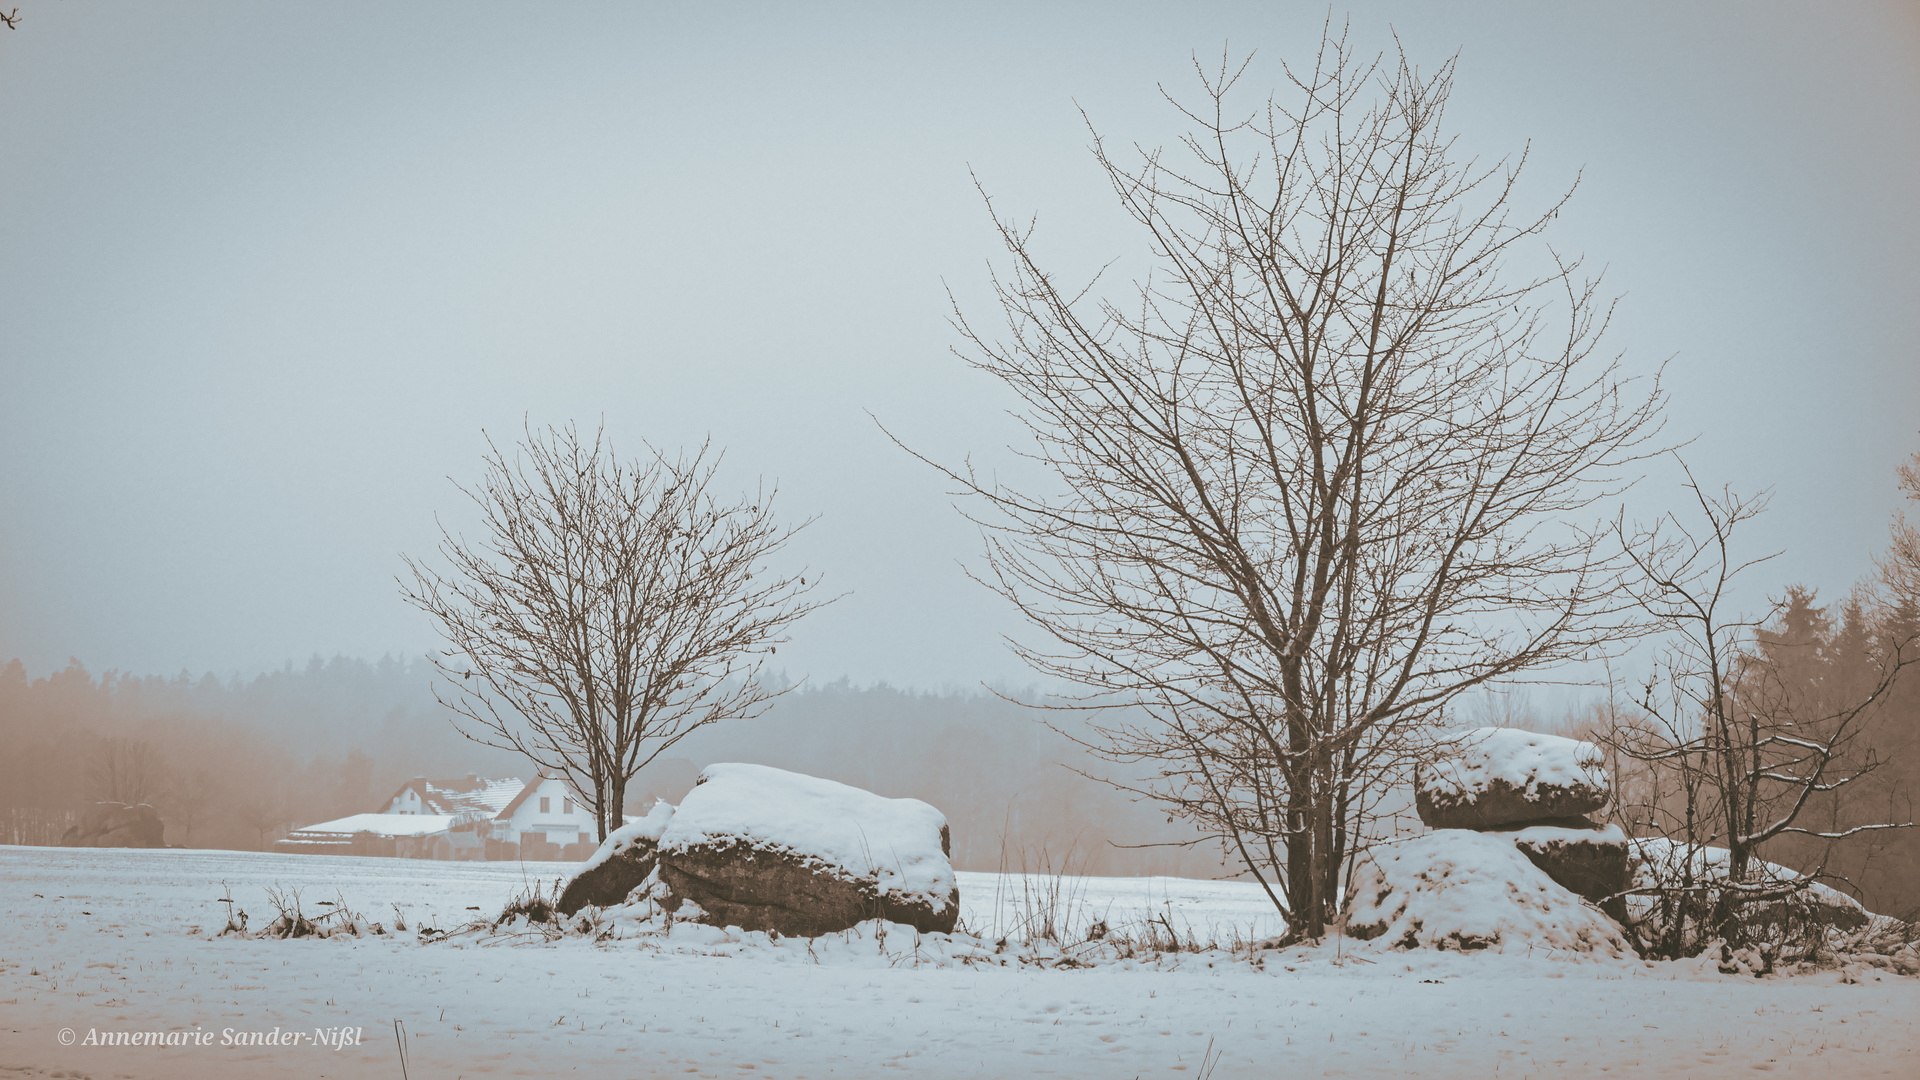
{"points": [[104, 941]]}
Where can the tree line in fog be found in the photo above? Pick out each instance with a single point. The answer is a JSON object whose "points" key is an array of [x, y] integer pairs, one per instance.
{"points": [[239, 762]]}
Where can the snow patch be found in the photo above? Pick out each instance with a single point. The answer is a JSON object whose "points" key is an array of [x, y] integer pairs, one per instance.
{"points": [[1662, 863]]}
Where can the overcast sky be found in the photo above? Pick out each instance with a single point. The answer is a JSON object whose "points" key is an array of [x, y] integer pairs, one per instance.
{"points": [[267, 271]]}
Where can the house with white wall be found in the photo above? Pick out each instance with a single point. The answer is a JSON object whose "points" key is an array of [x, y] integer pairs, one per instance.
{"points": [[542, 819], [424, 819], [545, 819]]}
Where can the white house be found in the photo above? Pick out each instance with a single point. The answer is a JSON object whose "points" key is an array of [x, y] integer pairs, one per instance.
{"points": [[547, 811], [468, 818]]}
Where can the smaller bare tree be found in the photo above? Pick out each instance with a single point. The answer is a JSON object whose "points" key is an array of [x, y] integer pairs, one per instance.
{"points": [[1738, 749], [125, 770], [613, 608], [190, 793]]}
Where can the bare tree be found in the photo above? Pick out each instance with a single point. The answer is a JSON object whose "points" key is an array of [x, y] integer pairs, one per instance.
{"points": [[613, 608], [125, 770], [189, 794], [1318, 471], [266, 814], [1741, 743]]}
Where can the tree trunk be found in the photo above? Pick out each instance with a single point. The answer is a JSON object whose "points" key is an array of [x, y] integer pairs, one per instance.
{"points": [[615, 814]]}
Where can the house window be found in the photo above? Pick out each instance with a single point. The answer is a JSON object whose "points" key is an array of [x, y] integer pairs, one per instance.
{"points": [[566, 806], [546, 805]]}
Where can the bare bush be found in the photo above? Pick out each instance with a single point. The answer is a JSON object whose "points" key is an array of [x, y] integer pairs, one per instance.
{"points": [[1738, 732]]}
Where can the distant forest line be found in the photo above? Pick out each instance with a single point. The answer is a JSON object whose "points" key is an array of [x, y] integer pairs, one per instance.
{"points": [[238, 763]]}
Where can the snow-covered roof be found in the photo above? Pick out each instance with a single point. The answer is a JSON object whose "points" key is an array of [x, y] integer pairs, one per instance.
{"points": [[473, 794], [529, 788], [384, 824]]}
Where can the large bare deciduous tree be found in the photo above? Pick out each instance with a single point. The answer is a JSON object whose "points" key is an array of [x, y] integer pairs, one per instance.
{"points": [[613, 607], [1320, 472]]}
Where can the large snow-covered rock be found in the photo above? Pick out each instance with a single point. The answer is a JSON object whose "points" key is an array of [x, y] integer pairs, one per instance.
{"points": [[1587, 859], [1465, 890], [766, 849], [619, 865], [112, 824], [1496, 776]]}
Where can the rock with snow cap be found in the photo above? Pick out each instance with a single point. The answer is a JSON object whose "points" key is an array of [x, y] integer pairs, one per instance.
{"points": [[1457, 889], [1586, 859], [765, 849], [1488, 777], [621, 863]]}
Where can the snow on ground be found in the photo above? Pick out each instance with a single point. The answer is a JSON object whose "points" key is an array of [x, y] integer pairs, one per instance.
{"points": [[107, 941]]}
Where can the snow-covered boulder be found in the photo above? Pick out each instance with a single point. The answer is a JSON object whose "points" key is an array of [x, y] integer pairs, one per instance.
{"points": [[766, 849], [1587, 859], [621, 863], [1497, 776], [1465, 890], [112, 824]]}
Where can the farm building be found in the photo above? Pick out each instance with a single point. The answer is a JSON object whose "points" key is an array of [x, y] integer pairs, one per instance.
{"points": [[469, 818]]}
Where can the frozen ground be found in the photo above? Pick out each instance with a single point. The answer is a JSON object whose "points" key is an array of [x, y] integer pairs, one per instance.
{"points": [[106, 941]]}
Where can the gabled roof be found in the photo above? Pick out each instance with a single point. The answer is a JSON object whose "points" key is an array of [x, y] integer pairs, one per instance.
{"points": [[542, 777], [468, 794]]}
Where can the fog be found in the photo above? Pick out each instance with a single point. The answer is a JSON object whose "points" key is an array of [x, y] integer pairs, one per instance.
{"points": [[239, 764], [270, 273]]}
